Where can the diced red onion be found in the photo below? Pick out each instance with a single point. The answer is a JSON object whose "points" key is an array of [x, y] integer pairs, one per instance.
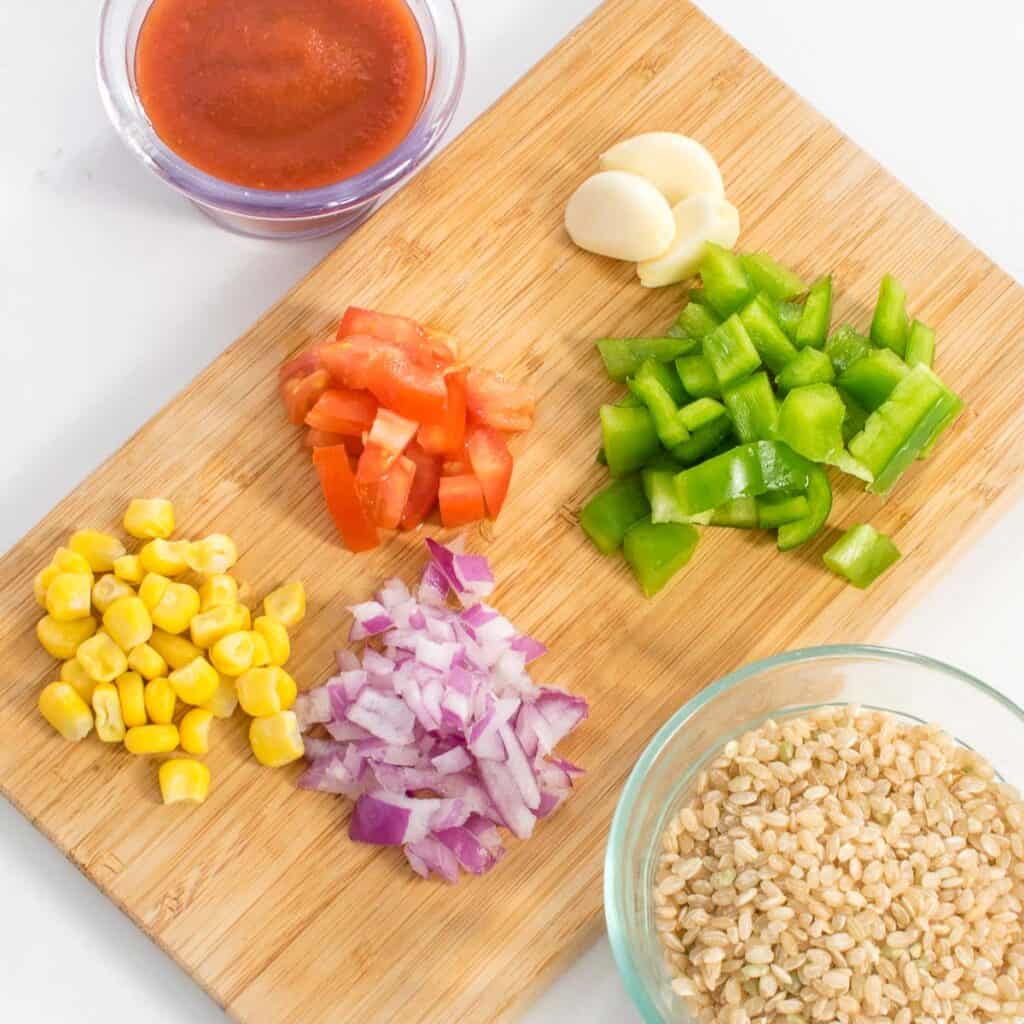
{"points": [[313, 707], [387, 718], [455, 760], [370, 618]]}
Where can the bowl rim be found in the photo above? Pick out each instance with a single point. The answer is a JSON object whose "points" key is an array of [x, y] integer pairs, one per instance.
{"points": [[617, 936]]}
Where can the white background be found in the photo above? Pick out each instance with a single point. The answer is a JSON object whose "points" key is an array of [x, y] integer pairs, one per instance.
{"points": [[114, 293]]}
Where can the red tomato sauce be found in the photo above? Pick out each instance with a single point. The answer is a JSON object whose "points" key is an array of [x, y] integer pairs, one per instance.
{"points": [[281, 94]]}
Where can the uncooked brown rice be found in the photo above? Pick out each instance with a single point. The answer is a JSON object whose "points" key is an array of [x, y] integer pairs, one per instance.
{"points": [[845, 866]]}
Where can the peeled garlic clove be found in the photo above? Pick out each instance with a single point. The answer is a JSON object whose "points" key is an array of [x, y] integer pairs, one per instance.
{"points": [[620, 215], [676, 165], [702, 218]]}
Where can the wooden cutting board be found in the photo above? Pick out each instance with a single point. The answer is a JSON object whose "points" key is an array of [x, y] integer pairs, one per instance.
{"points": [[258, 893]]}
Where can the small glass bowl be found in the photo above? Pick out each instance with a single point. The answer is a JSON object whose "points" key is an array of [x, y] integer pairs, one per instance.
{"points": [[908, 685], [305, 213]]}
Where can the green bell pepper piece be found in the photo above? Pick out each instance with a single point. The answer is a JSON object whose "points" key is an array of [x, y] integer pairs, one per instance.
{"points": [[889, 325], [726, 284], [778, 509], [623, 356], [660, 489], [952, 406], [814, 323], [811, 421], [695, 320], [856, 417], [648, 387], [607, 516], [845, 347], [739, 514], [665, 374], [700, 413], [819, 500], [753, 408], [789, 315], [775, 280], [768, 338], [920, 345], [730, 352], [698, 377], [810, 366], [629, 438], [627, 401], [657, 551], [861, 555], [746, 471], [703, 441], [869, 381]]}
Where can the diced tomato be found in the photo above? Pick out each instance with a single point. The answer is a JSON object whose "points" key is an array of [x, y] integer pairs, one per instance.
{"points": [[423, 495], [325, 439], [492, 465], [461, 500], [391, 431], [384, 326], [393, 492], [339, 487], [304, 363], [300, 394], [494, 402], [447, 436], [343, 411], [443, 343], [349, 361]]}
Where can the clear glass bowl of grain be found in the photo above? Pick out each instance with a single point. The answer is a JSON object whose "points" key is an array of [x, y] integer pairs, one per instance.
{"points": [[912, 688]]}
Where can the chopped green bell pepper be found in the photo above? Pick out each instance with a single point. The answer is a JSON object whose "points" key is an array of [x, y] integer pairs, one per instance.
{"points": [[856, 416], [789, 315], [920, 345], [660, 489], [819, 500], [811, 421], [648, 387], [730, 352], [738, 514], [627, 401], [607, 516], [695, 320], [752, 406], [657, 551], [700, 413], [889, 325], [778, 509], [813, 327], [629, 438], [768, 338], [665, 374], [703, 441], [869, 381], [861, 555], [698, 377], [845, 347], [809, 366], [623, 356], [775, 280], [726, 284]]}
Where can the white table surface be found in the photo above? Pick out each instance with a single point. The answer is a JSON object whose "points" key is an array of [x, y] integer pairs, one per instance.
{"points": [[114, 293]]}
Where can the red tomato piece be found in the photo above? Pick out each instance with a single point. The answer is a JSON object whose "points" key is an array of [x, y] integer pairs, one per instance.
{"points": [[325, 439], [423, 495], [393, 492], [304, 363], [343, 502], [447, 436], [461, 499], [384, 326], [492, 465], [494, 402], [391, 431], [343, 411], [413, 391], [349, 361], [300, 394]]}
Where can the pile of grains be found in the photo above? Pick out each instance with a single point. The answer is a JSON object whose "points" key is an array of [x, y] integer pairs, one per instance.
{"points": [[846, 866]]}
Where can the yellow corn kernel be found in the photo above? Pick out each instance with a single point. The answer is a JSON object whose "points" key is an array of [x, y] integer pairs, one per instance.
{"points": [[287, 604], [129, 568], [41, 584], [166, 557], [265, 691], [223, 703], [128, 623], [108, 589], [132, 694], [160, 700], [151, 739], [276, 740], [195, 731], [62, 639], [212, 555], [217, 590], [106, 706], [177, 651], [147, 662], [182, 780], [66, 560], [196, 683], [149, 518], [286, 690], [102, 658], [233, 654], [276, 635], [64, 709], [244, 617], [69, 596], [98, 549], [260, 649], [208, 627], [177, 608], [152, 589], [72, 672]]}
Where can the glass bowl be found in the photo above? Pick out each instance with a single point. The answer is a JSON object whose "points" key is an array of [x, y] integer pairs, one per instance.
{"points": [[908, 685], [304, 213]]}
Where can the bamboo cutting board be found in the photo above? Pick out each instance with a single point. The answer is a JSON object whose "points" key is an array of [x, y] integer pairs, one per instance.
{"points": [[258, 893]]}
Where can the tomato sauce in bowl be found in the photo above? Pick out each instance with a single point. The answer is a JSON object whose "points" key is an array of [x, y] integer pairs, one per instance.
{"points": [[281, 94]]}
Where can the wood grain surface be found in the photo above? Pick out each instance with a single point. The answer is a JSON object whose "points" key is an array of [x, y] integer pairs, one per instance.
{"points": [[258, 893]]}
